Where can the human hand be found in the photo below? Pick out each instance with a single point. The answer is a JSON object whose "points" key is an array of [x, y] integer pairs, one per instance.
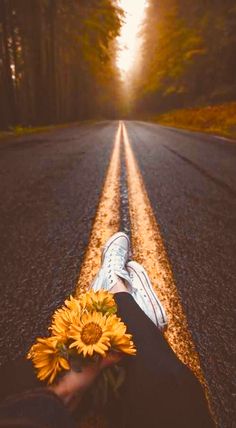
{"points": [[71, 387]]}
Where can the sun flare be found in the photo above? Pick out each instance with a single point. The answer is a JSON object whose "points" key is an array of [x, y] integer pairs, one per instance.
{"points": [[129, 41]]}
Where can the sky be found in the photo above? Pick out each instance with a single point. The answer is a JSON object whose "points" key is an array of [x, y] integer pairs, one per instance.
{"points": [[129, 42]]}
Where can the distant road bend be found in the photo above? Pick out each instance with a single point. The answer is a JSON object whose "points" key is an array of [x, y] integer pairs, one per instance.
{"points": [[64, 192]]}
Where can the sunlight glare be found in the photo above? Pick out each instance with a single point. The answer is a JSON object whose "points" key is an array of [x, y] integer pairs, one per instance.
{"points": [[128, 41]]}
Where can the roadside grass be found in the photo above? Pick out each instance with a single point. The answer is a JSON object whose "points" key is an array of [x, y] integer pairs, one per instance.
{"points": [[215, 119], [21, 131]]}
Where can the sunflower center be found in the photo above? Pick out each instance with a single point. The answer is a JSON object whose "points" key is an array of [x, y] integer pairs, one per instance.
{"points": [[91, 333]]}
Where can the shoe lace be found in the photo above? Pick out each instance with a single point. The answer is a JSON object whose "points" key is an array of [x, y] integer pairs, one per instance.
{"points": [[115, 260]]}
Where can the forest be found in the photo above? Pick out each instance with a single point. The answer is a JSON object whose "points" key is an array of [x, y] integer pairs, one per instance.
{"points": [[57, 61], [188, 55]]}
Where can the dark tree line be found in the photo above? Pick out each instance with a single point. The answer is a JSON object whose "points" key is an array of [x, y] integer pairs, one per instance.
{"points": [[57, 61], [189, 55]]}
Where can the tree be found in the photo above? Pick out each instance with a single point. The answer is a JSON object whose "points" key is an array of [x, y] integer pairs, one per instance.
{"points": [[57, 60], [188, 54]]}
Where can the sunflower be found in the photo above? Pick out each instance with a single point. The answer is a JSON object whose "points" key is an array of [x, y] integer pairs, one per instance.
{"points": [[48, 357], [62, 320], [73, 304], [91, 335], [101, 301], [120, 340]]}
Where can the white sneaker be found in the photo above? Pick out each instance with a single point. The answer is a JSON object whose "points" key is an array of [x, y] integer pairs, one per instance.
{"points": [[145, 296], [114, 258]]}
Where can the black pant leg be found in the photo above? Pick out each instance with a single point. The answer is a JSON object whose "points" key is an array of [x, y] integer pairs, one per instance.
{"points": [[159, 390]]}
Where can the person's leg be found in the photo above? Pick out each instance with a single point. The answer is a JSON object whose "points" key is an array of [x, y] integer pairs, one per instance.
{"points": [[159, 390]]}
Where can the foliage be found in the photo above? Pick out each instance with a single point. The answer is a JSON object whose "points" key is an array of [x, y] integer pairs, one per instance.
{"points": [[218, 119], [188, 56], [57, 60]]}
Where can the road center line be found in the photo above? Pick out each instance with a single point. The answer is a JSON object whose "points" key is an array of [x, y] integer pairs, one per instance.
{"points": [[148, 247], [149, 250], [107, 219]]}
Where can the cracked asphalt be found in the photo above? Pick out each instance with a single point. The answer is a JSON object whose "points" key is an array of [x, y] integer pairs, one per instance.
{"points": [[50, 186]]}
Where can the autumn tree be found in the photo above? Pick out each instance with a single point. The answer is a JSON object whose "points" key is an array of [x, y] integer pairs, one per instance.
{"points": [[57, 60], [188, 55]]}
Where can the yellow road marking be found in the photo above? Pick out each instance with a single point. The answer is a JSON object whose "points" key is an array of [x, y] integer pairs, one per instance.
{"points": [[107, 219], [149, 250], [148, 247]]}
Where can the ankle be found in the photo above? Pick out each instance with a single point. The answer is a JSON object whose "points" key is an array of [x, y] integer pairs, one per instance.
{"points": [[119, 287]]}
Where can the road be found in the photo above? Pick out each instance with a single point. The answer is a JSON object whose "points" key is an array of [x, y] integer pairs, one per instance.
{"points": [[50, 187]]}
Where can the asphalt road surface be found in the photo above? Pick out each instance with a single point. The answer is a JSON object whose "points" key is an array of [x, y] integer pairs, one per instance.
{"points": [[49, 190]]}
